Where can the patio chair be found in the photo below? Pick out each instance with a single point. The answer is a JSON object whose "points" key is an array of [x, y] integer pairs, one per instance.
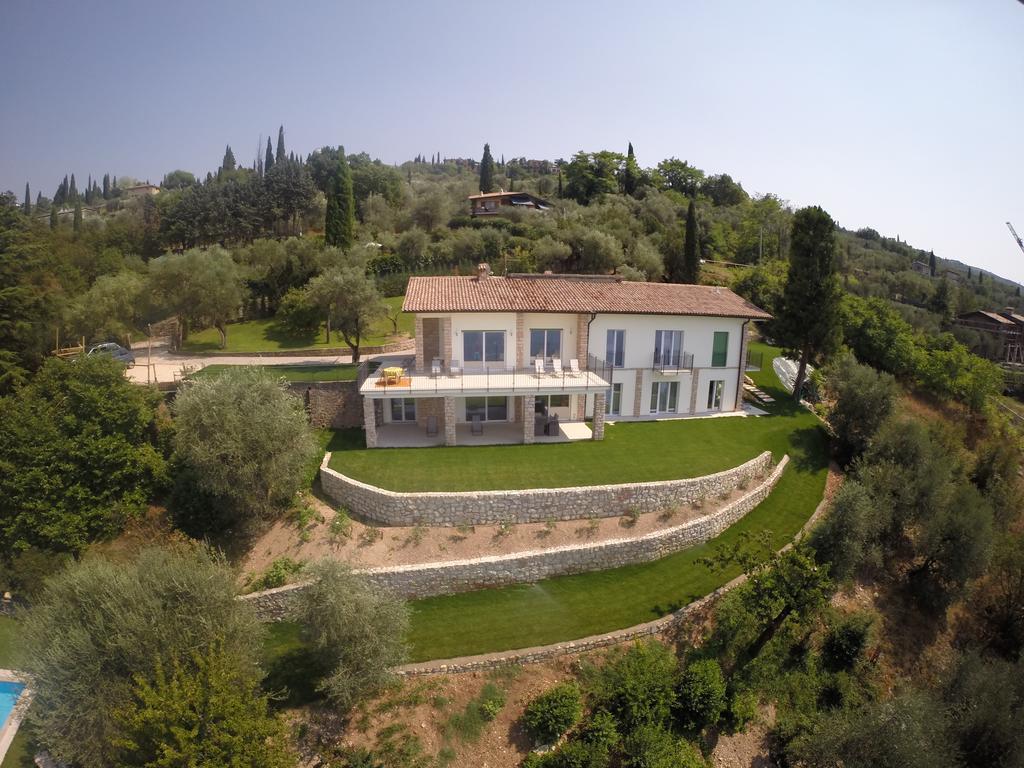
{"points": [[553, 429], [435, 367], [431, 426], [574, 367], [455, 368], [556, 366], [538, 367], [477, 426]]}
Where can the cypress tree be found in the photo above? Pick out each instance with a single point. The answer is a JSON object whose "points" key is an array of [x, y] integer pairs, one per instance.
{"points": [[280, 146], [691, 261], [268, 162], [339, 224], [113, 188], [228, 163], [72, 191], [980, 276], [77, 224], [808, 320], [969, 274], [106, 186], [559, 182], [61, 195], [39, 198], [88, 189], [53, 217], [487, 170], [931, 263], [630, 173], [28, 201], [1018, 291]]}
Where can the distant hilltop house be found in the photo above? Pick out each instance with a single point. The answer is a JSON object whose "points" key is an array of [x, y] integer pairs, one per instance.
{"points": [[488, 203], [140, 190], [922, 268], [1005, 328]]}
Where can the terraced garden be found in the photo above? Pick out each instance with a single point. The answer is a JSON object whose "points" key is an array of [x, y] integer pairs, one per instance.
{"points": [[571, 607]]}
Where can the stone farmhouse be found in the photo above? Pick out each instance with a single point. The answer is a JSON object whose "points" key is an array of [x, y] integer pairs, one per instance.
{"points": [[535, 357], [490, 203]]}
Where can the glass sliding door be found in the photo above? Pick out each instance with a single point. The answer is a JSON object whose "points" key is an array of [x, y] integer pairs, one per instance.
{"points": [[715, 390], [668, 349], [545, 343], [664, 396]]}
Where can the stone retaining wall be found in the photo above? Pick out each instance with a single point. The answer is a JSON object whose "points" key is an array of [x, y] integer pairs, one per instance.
{"points": [[529, 505], [334, 404], [428, 579]]}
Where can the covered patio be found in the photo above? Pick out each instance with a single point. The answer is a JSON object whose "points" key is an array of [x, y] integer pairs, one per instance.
{"points": [[494, 433]]}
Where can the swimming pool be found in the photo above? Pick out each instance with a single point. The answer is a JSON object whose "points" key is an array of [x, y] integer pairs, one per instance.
{"points": [[9, 693]]}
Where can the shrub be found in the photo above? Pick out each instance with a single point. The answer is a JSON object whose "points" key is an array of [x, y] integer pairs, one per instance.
{"points": [[553, 713], [480, 710], [845, 642], [277, 574], [246, 443], [637, 686], [864, 398], [742, 709], [492, 701], [356, 632], [340, 527], [701, 694], [652, 746], [602, 731]]}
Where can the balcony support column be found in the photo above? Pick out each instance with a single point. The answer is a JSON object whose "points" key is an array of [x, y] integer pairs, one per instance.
{"points": [[528, 405], [449, 421], [370, 422], [599, 406]]}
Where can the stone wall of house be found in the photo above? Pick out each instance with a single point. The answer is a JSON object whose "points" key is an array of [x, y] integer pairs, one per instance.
{"points": [[449, 577], [532, 505], [334, 404]]}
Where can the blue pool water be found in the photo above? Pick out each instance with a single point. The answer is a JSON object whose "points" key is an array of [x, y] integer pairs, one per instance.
{"points": [[9, 693]]}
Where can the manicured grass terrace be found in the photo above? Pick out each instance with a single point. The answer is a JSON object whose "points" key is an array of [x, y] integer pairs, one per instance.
{"points": [[630, 452], [8, 642], [269, 336], [294, 373], [571, 607]]}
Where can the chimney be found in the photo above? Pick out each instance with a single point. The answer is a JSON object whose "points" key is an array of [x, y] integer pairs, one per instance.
{"points": [[483, 271]]}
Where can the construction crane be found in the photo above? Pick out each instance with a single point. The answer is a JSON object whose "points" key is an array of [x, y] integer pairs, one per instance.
{"points": [[1014, 231]]}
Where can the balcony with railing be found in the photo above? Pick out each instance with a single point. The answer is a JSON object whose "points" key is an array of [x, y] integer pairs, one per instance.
{"points": [[672, 361], [398, 377]]}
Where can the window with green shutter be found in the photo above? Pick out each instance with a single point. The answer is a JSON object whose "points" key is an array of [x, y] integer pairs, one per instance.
{"points": [[720, 350]]}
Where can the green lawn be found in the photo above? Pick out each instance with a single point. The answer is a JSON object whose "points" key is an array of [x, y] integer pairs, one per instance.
{"points": [[9, 630], [570, 607], [295, 373], [630, 452], [268, 336]]}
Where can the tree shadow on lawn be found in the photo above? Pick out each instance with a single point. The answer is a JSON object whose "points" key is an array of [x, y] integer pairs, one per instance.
{"points": [[291, 667], [284, 338], [809, 449]]}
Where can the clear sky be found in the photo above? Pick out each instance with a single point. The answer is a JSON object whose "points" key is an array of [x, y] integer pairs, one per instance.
{"points": [[903, 115]]}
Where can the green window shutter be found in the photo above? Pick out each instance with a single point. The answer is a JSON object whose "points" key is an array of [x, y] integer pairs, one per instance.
{"points": [[720, 351]]}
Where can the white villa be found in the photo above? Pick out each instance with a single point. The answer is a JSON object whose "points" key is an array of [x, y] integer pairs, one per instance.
{"points": [[531, 358]]}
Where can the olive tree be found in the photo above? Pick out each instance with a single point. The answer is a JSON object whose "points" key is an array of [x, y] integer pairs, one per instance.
{"points": [[243, 442], [356, 632], [99, 626]]}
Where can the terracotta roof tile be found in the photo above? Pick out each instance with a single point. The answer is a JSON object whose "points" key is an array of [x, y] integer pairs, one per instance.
{"points": [[581, 294]]}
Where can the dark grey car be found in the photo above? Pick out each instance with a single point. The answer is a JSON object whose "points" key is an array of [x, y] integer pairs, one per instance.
{"points": [[115, 351]]}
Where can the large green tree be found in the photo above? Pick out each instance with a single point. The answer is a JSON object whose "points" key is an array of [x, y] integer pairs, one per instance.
{"points": [[280, 157], [808, 323], [691, 254], [349, 301], [356, 632], [244, 446], [487, 170], [100, 626], [79, 455], [199, 286], [340, 220], [200, 711]]}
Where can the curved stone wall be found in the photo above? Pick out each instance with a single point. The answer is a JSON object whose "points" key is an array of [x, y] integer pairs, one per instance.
{"points": [[428, 579], [533, 505]]}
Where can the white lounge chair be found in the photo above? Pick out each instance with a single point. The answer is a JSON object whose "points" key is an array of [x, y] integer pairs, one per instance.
{"points": [[435, 367], [476, 426], [455, 368], [556, 366], [574, 367], [538, 367]]}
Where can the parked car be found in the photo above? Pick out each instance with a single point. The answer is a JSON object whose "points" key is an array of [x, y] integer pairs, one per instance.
{"points": [[115, 351]]}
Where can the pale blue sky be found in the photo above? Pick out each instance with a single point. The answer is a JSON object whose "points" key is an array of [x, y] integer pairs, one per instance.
{"points": [[906, 115]]}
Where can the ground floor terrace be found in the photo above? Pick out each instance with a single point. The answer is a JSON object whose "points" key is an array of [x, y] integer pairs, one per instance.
{"points": [[406, 407]]}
